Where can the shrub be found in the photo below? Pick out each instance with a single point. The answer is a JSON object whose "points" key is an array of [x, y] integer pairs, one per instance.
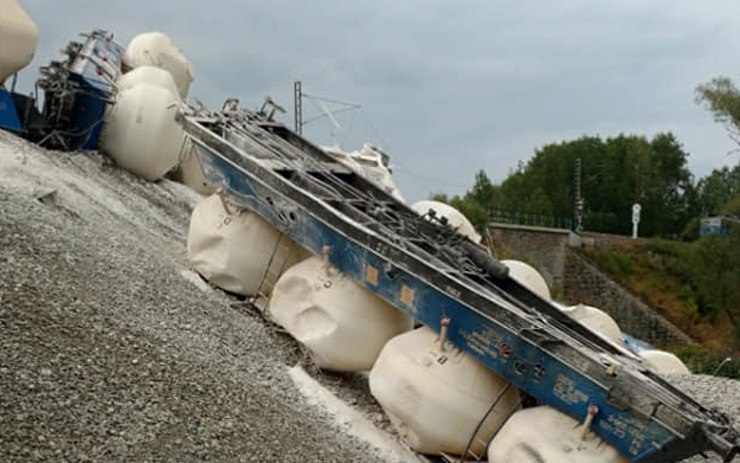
{"points": [[701, 361], [615, 262]]}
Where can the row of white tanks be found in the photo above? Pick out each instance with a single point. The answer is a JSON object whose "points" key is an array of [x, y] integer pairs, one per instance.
{"points": [[140, 132], [436, 406], [139, 128]]}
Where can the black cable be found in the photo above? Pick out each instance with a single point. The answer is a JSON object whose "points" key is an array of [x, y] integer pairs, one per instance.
{"points": [[480, 423]]}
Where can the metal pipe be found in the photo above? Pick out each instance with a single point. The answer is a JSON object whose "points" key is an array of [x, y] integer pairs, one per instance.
{"points": [[592, 411], [445, 324], [325, 251], [222, 197]]}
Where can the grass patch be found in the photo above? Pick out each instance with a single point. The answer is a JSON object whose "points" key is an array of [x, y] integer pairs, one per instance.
{"points": [[664, 274], [707, 362], [615, 262]]}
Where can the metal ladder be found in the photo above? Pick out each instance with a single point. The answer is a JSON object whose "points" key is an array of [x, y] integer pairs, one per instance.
{"points": [[279, 261]]}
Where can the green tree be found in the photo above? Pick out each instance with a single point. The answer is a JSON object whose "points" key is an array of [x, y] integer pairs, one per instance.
{"points": [[732, 207], [512, 192], [716, 189], [483, 192], [441, 197], [615, 174], [715, 268], [667, 193], [474, 212], [722, 98], [538, 202]]}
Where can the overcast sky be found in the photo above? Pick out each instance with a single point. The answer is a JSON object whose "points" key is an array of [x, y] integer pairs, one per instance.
{"points": [[446, 87]]}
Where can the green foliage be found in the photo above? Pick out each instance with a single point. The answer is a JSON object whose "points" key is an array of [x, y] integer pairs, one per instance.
{"points": [[716, 191], [615, 262], [616, 173], [483, 192], [732, 207], [701, 361], [714, 270], [722, 98], [467, 205], [472, 210], [538, 202], [666, 247], [441, 197], [709, 271], [691, 230], [695, 284], [688, 296]]}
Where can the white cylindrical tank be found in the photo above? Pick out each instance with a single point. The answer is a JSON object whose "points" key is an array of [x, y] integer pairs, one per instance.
{"points": [[528, 277], [545, 435], [368, 162], [436, 398], [156, 49], [233, 248], [343, 157], [18, 38], [664, 362], [150, 75], [596, 320], [376, 168], [343, 324], [189, 172], [455, 218], [139, 131]]}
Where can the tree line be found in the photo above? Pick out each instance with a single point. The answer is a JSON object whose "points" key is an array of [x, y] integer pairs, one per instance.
{"points": [[617, 172], [614, 174]]}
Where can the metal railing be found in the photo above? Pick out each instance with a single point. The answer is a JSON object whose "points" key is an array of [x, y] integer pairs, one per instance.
{"points": [[530, 218]]}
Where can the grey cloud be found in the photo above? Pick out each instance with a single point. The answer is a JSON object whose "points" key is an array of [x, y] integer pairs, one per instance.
{"points": [[448, 86]]}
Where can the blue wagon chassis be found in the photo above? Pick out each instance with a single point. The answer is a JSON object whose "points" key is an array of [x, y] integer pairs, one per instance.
{"points": [[432, 274]]}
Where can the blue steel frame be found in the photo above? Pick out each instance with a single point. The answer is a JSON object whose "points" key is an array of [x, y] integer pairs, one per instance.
{"points": [[539, 372], [95, 69], [8, 115]]}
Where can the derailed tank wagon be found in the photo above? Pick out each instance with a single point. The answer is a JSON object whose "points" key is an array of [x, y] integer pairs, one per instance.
{"points": [[412, 262], [442, 279], [76, 93]]}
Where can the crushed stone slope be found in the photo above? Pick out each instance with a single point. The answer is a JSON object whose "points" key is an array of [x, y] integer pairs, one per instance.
{"points": [[110, 351]]}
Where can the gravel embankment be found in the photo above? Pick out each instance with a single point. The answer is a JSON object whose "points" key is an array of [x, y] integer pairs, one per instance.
{"points": [[109, 351], [112, 350], [714, 393]]}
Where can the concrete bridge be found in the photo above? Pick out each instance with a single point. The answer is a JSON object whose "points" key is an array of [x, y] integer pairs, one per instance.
{"points": [[574, 279]]}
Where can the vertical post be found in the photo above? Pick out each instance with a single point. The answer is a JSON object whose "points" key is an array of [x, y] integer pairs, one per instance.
{"points": [[578, 212], [592, 411], [298, 106], [444, 326], [635, 219]]}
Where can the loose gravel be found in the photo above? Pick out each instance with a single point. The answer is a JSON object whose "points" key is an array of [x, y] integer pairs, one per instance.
{"points": [[112, 349], [109, 351]]}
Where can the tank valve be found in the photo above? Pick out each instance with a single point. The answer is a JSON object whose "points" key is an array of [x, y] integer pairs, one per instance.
{"points": [[325, 251], [445, 324], [222, 196], [592, 411]]}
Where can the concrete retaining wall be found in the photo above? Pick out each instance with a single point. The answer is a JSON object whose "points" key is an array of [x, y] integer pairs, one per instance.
{"points": [[543, 248], [585, 283], [577, 280]]}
